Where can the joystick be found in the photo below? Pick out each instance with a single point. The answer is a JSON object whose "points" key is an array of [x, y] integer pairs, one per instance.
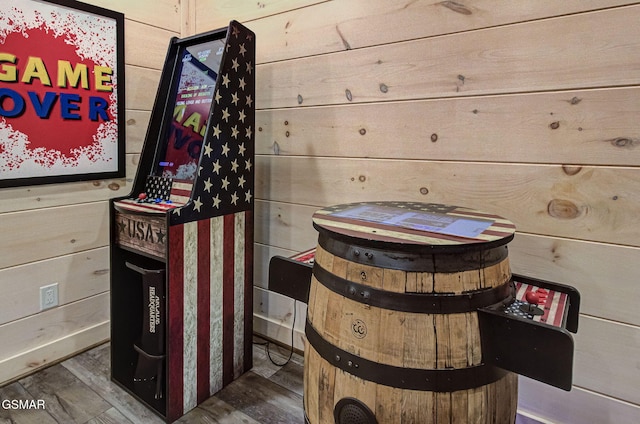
{"points": [[531, 307], [532, 297], [142, 197]]}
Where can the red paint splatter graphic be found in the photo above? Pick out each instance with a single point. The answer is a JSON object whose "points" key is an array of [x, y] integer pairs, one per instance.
{"points": [[57, 93], [50, 134]]}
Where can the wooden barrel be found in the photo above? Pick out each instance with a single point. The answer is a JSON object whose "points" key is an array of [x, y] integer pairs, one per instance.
{"points": [[392, 329]]}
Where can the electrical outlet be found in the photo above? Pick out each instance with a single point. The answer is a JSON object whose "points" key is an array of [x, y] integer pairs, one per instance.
{"points": [[48, 296]]}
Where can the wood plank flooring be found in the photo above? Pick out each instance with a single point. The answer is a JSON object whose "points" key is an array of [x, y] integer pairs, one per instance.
{"points": [[79, 390]]}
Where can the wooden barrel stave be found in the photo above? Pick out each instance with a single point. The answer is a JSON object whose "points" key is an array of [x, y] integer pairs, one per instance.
{"points": [[415, 282], [403, 339], [457, 346], [326, 385]]}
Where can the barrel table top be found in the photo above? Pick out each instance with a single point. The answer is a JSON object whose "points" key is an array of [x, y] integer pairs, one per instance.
{"points": [[413, 225]]}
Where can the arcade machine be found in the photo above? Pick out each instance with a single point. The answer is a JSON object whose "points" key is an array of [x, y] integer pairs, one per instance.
{"points": [[182, 240], [434, 279]]}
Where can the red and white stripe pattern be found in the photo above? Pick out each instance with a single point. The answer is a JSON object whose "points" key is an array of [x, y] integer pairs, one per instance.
{"points": [[180, 192], [553, 303], [179, 196], [210, 302], [500, 227], [307, 257], [144, 207]]}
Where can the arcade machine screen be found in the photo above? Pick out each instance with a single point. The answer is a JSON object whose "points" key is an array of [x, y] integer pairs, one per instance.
{"points": [[189, 105]]}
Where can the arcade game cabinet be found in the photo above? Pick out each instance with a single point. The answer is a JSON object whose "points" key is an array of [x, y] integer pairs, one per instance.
{"points": [[182, 241], [417, 301]]}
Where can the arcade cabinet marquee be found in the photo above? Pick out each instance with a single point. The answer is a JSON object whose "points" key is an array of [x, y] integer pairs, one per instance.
{"points": [[182, 241]]}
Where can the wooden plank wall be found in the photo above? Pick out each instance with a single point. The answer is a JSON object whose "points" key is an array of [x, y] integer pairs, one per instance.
{"points": [[60, 233], [528, 109]]}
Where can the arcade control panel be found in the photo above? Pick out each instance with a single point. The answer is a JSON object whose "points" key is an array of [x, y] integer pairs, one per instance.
{"points": [[544, 305], [292, 276], [160, 195], [141, 221], [528, 333]]}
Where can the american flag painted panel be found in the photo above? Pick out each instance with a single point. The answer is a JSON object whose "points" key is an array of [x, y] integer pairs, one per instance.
{"points": [[553, 303], [307, 257], [177, 192], [203, 233], [210, 253], [334, 219], [225, 179], [208, 339]]}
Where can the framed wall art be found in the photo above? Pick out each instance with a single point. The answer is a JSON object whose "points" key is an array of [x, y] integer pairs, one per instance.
{"points": [[61, 92]]}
